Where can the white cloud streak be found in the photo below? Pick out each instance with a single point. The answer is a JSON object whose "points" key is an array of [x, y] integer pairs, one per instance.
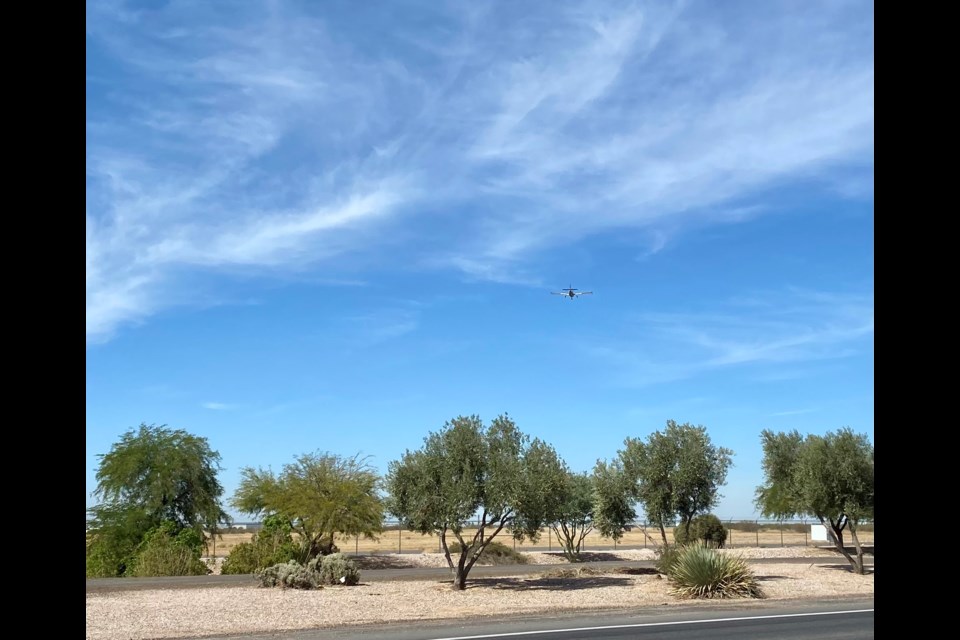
{"points": [[792, 327]]}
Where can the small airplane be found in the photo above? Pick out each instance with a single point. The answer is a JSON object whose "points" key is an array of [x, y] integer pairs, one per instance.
{"points": [[571, 293]]}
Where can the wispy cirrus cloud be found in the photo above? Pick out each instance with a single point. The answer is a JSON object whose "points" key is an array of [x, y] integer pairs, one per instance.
{"points": [[284, 139], [772, 328]]}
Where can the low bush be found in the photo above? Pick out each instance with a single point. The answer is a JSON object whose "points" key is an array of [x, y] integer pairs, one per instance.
{"points": [[290, 575], [666, 559], [706, 530], [270, 546], [495, 553], [335, 569], [163, 553], [700, 572]]}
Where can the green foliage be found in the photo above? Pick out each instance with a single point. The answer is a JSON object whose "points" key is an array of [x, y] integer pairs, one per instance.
{"points": [[273, 544], [166, 552], [153, 475], [700, 572], [613, 507], [336, 569], [466, 469], [495, 553], [829, 477], [290, 575], [575, 518], [113, 538], [321, 495], [169, 474], [667, 559], [676, 473], [706, 530]]}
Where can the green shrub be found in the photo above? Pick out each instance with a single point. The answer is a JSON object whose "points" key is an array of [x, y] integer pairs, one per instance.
{"points": [[289, 575], [495, 553], [666, 559], [700, 572], [335, 569], [706, 530], [272, 545], [113, 539], [163, 553]]}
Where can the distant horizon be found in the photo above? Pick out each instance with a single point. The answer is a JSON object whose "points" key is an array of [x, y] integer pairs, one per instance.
{"points": [[334, 227]]}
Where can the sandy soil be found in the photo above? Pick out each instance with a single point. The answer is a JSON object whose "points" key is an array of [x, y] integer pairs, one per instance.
{"points": [[156, 614]]}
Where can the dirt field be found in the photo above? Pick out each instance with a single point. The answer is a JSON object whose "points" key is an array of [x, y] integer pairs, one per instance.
{"points": [[408, 542]]}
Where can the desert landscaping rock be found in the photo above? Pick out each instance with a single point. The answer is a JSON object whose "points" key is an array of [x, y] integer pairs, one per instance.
{"points": [[179, 613]]}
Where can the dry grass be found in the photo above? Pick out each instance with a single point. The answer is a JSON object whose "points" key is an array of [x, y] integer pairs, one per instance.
{"points": [[410, 542]]}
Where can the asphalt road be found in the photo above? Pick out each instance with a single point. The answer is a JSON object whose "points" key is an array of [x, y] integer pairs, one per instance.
{"points": [[439, 574], [846, 619]]}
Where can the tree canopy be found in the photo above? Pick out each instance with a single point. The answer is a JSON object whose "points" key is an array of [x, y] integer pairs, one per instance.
{"points": [[676, 473], [321, 495], [574, 520], [829, 477], [466, 473], [153, 476]]}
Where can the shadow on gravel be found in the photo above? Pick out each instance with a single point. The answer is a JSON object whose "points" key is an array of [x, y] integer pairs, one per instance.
{"points": [[590, 556], [548, 583], [845, 568], [636, 571], [382, 562]]}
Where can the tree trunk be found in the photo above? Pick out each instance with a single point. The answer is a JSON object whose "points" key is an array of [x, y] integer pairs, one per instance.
{"points": [[856, 562], [459, 578], [663, 534]]}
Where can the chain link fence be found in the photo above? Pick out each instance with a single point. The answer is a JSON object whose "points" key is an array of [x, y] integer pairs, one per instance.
{"points": [[640, 535]]}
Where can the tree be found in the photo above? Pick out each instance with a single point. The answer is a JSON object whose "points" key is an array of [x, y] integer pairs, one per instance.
{"points": [[575, 518], [613, 505], [320, 495], [153, 475], [676, 473], [465, 473], [828, 477]]}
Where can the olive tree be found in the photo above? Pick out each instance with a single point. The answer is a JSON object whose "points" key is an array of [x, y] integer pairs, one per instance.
{"points": [[829, 477], [676, 473], [613, 509], [466, 474], [320, 495], [152, 477], [575, 517]]}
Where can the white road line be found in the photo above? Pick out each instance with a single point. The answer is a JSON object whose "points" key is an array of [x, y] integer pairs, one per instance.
{"points": [[652, 624]]}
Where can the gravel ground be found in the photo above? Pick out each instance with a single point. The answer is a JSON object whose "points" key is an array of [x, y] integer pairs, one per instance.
{"points": [[182, 613]]}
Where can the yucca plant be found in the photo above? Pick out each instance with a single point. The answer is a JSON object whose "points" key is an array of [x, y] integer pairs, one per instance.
{"points": [[700, 572]]}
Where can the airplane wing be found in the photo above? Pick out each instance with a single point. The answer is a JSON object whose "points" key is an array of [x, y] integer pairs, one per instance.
{"points": [[557, 293], [585, 293]]}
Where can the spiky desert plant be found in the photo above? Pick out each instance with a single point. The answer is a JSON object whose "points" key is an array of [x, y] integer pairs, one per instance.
{"points": [[700, 572]]}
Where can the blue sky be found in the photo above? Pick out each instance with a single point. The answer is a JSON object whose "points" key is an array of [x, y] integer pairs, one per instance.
{"points": [[334, 226]]}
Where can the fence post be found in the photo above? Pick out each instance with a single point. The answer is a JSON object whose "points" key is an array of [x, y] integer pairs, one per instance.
{"points": [[356, 549], [781, 533], [730, 533], [399, 539], [758, 534]]}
